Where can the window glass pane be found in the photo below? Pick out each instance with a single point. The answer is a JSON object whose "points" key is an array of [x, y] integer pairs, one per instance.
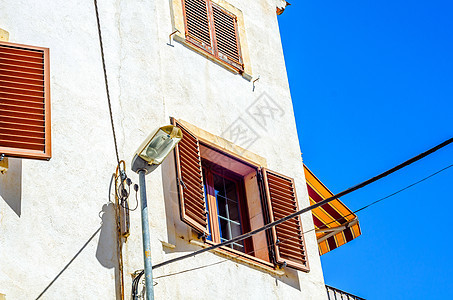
{"points": [[222, 206], [238, 247], [219, 186], [233, 211], [235, 229], [228, 210], [230, 190], [224, 229]]}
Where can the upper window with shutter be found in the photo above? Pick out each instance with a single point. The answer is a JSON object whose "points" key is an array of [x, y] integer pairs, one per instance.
{"points": [[223, 196], [215, 30], [24, 101]]}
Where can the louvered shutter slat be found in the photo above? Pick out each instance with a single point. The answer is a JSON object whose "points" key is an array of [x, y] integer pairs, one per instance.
{"points": [[21, 51], [22, 75], [21, 72], [21, 144], [288, 236], [190, 181], [20, 132], [197, 24], [17, 84], [21, 127], [23, 115], [20, 108], [5, 100], [24, 101], [226, 35]]}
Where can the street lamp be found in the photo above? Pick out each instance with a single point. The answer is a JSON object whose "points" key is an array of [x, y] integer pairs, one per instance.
{"points": [[147, 158]]}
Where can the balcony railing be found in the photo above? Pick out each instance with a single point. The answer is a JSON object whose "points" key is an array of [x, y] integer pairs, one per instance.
{"points": [[336, 294]]}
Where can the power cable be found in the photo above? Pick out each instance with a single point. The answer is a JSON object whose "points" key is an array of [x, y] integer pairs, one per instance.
{"points": [[106, 81], [354, 212], [308, 231], [309, 208]]}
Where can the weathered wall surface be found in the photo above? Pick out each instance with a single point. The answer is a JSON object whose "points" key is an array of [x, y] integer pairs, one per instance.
{"points": [[53, 211]]}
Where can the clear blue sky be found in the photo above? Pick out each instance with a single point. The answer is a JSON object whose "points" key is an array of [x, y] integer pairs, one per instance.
{"points": [[372, 85]]}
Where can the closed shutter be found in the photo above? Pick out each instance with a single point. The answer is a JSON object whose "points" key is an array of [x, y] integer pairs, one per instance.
{"points": [[288, 236], [24, 101], [196, 16], [226, 36], [190, 181]]}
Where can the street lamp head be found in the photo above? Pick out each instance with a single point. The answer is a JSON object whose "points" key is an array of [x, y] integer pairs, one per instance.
{"points": [[155, 148]]}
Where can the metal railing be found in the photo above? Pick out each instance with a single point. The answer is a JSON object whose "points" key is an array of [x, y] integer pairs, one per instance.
{"points": [[336, 294]]}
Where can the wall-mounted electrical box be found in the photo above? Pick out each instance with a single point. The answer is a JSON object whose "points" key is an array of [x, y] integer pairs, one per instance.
{"points": [[124, 219]]}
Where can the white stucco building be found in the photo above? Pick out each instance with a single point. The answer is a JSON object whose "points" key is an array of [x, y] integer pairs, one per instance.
{"points": [[197, 61]]}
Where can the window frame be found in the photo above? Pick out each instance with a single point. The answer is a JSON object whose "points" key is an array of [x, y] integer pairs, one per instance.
{"points": [[213, 224], [213, 48], [260, 191], [179, 35], [46, 154]]}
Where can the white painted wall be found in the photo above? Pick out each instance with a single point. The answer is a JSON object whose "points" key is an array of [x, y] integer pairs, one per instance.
{"points": [[49, 210]]}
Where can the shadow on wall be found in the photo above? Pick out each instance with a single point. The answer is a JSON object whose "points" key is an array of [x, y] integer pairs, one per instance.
{"points": [[69, 263], [106, 252], [11, 185], [290, 278], [178, 233], [106, 249]]}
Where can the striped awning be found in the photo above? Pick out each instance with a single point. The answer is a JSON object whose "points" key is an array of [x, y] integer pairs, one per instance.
{"points": [[335, 223]]}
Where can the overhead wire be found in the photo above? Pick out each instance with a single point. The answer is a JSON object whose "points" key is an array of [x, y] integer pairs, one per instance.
{"points": [[121, 166], [308, 231], [309, 208], [410, 161], [270, 225], [106, 81]]}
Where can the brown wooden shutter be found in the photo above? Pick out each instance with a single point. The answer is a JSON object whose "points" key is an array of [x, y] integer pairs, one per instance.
{"points": [[190, 181], [24, 101], [288, 236], [196, 16], [226, 37]]}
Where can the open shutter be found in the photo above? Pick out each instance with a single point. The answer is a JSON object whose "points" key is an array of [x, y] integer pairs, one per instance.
{"points": [[226, 36], [190, 181], [288, 236], [196, 17], [24, 101]]}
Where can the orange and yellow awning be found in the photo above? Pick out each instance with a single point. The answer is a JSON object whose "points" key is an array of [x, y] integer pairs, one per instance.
{"points": [[335, 223]]}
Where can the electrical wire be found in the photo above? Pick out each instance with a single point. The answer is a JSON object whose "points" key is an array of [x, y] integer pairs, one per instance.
{"points": [[135, 283], [123, 195], [309, 208], [418, 157], [325, 225], [106, 81], [110, 186], [308, 231], [137, 278], [136, 201]]}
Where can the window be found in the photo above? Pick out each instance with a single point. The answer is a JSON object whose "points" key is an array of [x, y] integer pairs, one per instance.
{"points": [[24, 101], [225, 209], [222, 196], [215, 29]]}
